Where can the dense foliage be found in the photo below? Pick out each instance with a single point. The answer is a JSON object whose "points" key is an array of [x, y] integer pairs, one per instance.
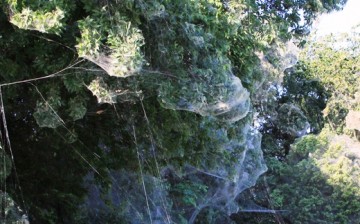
{"points": [[141, 111], [313, 179]]}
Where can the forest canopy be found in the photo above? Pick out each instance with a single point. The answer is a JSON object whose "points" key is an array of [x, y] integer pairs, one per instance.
{"points": [[168, 111]]}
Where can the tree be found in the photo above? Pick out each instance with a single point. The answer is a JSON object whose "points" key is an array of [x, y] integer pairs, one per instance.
{"points": [[318, 184], [316, 173], [334, 63], [306, 92], [158, 83]]}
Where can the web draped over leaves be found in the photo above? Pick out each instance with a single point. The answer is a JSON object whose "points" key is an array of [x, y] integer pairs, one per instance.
{"points": [[174, 142], [204, 84]]}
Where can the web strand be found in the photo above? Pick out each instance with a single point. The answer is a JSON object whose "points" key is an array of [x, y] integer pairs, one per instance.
{"points": [[56, 74], [8, 143], [142, 176], [3, 194], [82, 157], [154, 155]]}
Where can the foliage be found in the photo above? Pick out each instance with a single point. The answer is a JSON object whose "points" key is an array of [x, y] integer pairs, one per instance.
{"points": [[189, 192], [319, 182], [308, 93], [9, 210], [120, 54], [287, 15], [318, 172], [164, 57], [43, 16], [336, 68]]}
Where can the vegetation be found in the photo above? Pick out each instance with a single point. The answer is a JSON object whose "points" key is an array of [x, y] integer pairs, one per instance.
{"points": [[313, 180], [142, 112]]}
